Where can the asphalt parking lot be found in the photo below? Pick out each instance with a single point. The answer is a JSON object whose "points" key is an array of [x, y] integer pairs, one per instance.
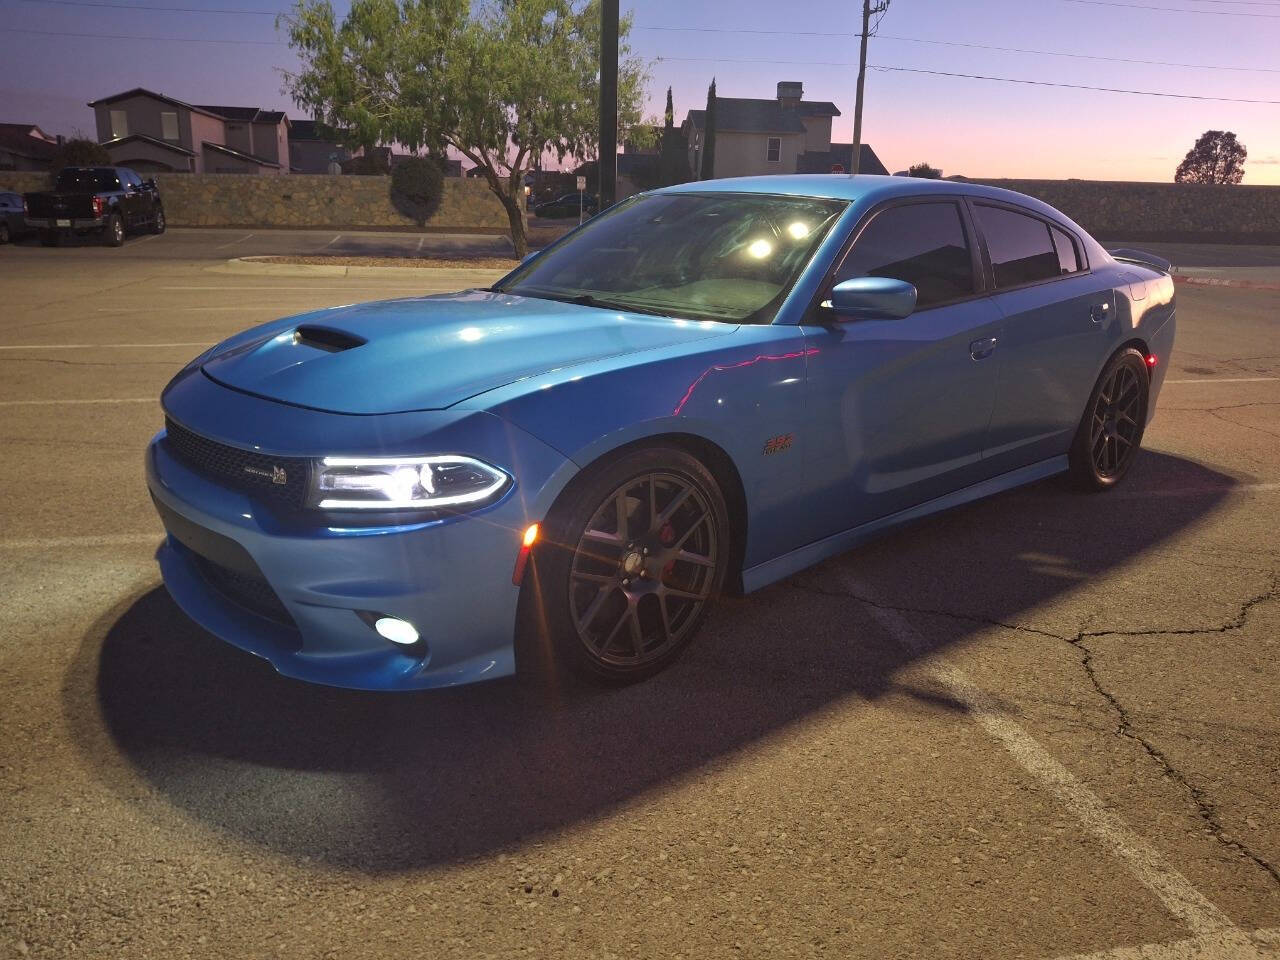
{"points": [[1041, 726]]}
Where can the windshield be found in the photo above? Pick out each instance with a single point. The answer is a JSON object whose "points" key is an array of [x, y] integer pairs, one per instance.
{"points": [[86, 180], [714, 256]]}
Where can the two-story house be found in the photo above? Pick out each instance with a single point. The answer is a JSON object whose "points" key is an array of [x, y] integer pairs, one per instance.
{"points": [[151, 132], [24, 146], [785, 135], [312, 147]]}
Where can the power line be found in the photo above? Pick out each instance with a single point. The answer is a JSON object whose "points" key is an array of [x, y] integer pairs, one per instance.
{"points": [[978, 76], [126, 36], [139, 6], [1208, 13]]}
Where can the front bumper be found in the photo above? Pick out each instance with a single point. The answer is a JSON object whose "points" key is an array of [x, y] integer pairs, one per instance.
{"points": [[451, 578]]}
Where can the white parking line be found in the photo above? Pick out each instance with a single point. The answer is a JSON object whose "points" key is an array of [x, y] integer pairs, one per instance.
{"points": [[105, 540], [103, 346], [333, 241], [1230, 380], [50, 403], [232, 243], [1175, 891]]}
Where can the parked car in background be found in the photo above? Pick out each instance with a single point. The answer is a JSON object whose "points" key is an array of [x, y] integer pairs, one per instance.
{"points": [[708, 387], [112, 201], [12, 224], [567, 206]]}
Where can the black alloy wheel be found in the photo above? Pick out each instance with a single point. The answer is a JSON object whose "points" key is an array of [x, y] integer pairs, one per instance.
{"points": [[626, 571], [1108, 437], [4, 232]]}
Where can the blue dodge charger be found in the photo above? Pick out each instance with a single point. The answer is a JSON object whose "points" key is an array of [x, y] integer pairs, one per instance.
{"points": [[706, 388]]}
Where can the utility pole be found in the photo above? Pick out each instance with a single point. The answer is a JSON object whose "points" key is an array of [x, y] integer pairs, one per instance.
{"points": [[608, 161], [868, 10]]}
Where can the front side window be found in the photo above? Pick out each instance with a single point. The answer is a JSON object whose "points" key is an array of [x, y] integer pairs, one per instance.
{"points": [[711, 256], [1021, 249], [921, 243], [169, 125], [773, 150], [119, 124]]}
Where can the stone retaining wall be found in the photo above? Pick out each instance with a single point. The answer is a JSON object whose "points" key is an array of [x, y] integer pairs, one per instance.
{"points": [[304, 200]]}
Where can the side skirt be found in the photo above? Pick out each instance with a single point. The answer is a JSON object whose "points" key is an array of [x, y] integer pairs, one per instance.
{"points": [[763, 574]]}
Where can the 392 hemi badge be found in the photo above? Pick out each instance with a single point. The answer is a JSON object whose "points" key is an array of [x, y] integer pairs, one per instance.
{"points": [[778, 444], [275, 474]]}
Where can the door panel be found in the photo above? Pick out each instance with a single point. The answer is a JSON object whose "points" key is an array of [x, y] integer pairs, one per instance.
{"points": [[897, 411]]}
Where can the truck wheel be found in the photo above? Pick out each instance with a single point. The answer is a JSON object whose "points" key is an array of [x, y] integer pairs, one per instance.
{"points": [[48, 238], [113, 232], [4, 232], [157, 225]]}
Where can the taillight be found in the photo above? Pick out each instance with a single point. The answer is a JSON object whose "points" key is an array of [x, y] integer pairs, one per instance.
{"points": [[98, 204]]}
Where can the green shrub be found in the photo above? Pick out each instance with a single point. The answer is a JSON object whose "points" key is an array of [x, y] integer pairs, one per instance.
{"points": [[416, 186]]}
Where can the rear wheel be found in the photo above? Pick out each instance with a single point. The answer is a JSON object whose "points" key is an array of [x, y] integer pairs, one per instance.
{"points": [[4, 232], [628, 565], [113, 232], [1110, 432]]}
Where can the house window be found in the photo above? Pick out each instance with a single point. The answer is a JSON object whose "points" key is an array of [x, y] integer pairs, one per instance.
{"points": [[119, 124], [773, 149], [169, 125]]}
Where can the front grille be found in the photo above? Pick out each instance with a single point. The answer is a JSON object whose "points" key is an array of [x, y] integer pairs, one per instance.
{"points": [[281, 480], [250, 592]]}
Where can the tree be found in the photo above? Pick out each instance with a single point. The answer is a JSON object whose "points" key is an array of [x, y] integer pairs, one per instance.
{"points": [[673, 153], [923, 169], [79, 152], [708, 170], [416, 186], [503, 82], [1217, 157]]}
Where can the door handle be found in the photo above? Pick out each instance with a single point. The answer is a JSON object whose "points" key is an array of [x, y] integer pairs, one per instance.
{"points": [[982, 348], [1098, 312]]}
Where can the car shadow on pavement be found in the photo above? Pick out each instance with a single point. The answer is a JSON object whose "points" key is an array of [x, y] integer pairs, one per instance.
{"points": [[386, 782]]}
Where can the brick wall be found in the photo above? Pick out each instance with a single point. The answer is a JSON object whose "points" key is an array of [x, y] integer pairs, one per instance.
{"points": [[303, 200], [1118, 210]]}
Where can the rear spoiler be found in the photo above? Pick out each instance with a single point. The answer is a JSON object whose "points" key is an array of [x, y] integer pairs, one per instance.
{"points": [[1142, 259]]}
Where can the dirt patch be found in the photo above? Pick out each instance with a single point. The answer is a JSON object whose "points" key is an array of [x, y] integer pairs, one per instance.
{"points": [[472, 263]]}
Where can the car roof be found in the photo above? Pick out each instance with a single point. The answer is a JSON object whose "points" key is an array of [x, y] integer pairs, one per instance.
{"points": [[863, 187]]}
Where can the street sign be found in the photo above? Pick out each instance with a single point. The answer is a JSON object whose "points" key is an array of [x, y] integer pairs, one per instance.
{"points": [[837, 168], [582, 184]]}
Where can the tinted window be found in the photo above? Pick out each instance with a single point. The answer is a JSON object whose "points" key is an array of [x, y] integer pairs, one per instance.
{"points": [[1020, 247], [921, 243], [87, 180], [1068, 259]]}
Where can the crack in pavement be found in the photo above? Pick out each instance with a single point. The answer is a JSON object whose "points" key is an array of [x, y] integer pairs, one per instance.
{"points": [[1205, 808]]}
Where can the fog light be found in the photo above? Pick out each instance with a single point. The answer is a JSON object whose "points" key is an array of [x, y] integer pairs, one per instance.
{"points": [[396, 630]]}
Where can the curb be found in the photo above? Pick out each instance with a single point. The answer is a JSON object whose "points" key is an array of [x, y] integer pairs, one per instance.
{"points": [[1224, 282], [253, 265]]}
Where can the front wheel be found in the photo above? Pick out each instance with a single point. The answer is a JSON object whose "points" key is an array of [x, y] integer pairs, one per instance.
{"points": [[1110, 432], [628, 565], [157, 224], [113, 232]]}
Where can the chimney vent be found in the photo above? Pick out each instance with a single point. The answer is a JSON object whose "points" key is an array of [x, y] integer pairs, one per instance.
{"points": [[790, 92]]}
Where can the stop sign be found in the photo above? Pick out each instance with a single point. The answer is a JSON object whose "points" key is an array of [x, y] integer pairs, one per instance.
{"points": [[837, 168]]}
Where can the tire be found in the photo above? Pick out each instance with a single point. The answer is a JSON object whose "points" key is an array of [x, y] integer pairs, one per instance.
{"points": [[49, 238], [4, 232], [1110, 432], [157, 224], [619, 601], [113, 232]]}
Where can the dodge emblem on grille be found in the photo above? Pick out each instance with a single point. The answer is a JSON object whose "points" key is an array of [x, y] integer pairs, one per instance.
{"points": [[275, 474]]}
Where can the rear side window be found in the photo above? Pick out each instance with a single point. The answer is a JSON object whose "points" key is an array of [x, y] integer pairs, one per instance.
{"points": [[921, 243], [1068, 256], [1021, 248]]}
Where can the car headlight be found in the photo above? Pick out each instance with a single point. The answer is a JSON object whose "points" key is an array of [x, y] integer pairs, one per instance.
{"points": [[405, 483]]}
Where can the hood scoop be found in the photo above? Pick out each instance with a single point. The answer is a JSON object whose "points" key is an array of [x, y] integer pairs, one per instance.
{"points": [[326, 338]]}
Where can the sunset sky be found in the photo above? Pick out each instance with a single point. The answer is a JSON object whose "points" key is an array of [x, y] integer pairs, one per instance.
{"points": [[979, 128]]}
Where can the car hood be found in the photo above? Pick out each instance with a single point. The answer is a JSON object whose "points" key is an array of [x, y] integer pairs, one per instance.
{"points": [[428, 353]]}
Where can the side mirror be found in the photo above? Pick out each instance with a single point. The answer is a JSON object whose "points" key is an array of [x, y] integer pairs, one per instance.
{"points": [[872, 298], [150, 183]]}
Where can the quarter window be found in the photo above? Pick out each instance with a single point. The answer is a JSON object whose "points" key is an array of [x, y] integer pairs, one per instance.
{"points": [[1068, 256], [1020, 247], [169, 125], [119, 124], [921, 243], [773, 150]]}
